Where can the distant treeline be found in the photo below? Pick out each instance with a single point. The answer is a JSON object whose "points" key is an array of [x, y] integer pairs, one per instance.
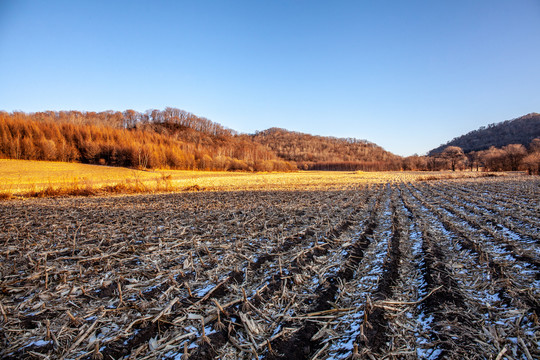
{"points": [[512, 157], [170, 138], [177, 139]]}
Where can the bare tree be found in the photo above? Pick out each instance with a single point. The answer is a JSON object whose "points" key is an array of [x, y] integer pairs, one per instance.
{"points": [[514, 154], [535, 145], [493, 159], [454, 154], [532, 163], [473, 160]]}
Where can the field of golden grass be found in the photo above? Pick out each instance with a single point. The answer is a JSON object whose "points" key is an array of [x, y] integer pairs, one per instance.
{"points": [[43, 178]]}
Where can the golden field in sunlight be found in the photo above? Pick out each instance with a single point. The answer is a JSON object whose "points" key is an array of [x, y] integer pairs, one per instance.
{"points": [[43, 178]]}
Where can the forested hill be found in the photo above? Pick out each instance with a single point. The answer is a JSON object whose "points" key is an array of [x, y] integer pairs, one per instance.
{"points": [[170, 138], [174, 138], [323, 152], [517, 131]]}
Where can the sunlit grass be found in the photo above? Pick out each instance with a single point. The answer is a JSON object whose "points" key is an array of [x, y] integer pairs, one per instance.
{"points": [[44, 179]]}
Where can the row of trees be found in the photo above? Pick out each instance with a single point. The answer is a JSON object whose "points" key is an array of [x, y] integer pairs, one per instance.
{"points": [[352, 166], [76, 136], [173, 138], [512, 157], [128, 119]]}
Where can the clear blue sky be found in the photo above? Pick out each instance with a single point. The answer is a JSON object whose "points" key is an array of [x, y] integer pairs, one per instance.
{"points": [[407, 75]]}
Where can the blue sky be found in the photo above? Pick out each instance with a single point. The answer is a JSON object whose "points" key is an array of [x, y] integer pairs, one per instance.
{"points": [[407, 75]]}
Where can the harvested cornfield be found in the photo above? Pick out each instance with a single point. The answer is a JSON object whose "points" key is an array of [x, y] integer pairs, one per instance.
{"points": [[395, 269]]}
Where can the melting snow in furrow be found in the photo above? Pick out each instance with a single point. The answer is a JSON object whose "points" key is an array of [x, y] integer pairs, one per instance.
{"points": [[521, 270], [425, 348], [369, 271], [412, 283], [422, 326], [473, 209], [467, 270]]}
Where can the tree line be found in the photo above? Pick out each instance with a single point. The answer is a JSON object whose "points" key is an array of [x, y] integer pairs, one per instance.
{"points": [[171, 138], [512, 157], [176, 139]]}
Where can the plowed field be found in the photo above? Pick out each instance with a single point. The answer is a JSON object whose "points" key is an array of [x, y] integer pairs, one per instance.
{"points": [[390, 269]]}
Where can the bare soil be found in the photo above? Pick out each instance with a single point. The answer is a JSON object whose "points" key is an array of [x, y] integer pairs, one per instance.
{"points": [[399, 270]]}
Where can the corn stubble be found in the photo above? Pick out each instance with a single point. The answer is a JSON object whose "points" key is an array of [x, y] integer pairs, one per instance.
{"points": [[385, 267]]}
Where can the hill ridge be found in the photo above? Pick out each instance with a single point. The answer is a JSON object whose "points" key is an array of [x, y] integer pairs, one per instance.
{"points": [[521, 130], [177, 139], [325, 152]]}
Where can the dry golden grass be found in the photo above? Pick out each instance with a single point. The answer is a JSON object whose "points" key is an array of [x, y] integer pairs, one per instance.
{"points": [[45, 179], [21, 175]]}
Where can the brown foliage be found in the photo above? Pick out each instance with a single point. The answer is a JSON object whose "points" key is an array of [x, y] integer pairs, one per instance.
{"points": [[454, 155], [312, 152], [171, 138]]}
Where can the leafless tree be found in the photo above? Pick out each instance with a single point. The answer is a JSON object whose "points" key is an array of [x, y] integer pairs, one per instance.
{"points": [[514, 154], [454, 155]]}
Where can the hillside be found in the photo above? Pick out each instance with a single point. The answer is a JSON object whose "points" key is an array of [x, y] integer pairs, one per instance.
{"points": [[171, 138], [517, 131], [326, 153], [176, 139]]}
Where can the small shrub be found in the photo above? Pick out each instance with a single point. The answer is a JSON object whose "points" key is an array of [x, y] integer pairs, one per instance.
{"points": [[6, 195]]}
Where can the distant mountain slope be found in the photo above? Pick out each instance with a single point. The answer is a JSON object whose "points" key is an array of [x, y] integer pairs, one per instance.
{"points": [[517, 131], [300, 147]]}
